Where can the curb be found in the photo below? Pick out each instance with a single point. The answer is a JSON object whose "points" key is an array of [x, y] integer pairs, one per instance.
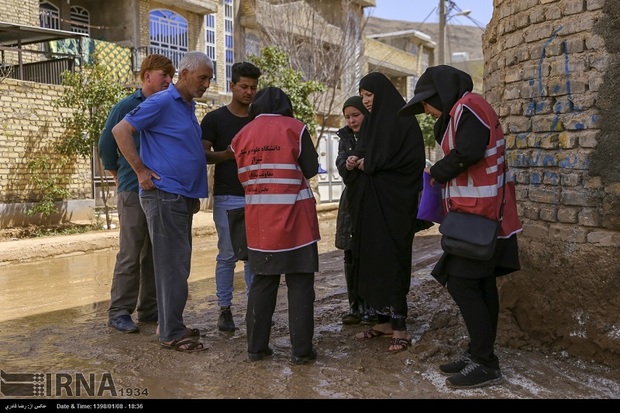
{"points": [[35, 249]]}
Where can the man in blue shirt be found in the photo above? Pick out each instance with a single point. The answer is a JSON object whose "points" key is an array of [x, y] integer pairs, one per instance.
{"points": [[133, 281], [172, 173]]}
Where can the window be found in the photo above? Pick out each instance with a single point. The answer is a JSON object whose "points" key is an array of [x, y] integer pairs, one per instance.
{"points": [[252, 45], [229, 51], [210, 40], [80, 20], [169, 35], [412, 48], [49, 15]]}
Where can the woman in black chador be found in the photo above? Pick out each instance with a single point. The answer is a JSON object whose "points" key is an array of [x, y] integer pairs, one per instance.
{"points": [[383, 201]]}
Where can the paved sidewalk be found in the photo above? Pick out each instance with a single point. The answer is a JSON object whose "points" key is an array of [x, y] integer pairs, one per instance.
{"points": [[29, 249]]}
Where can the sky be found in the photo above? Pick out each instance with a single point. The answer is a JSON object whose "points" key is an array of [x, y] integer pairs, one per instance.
{"points": [[427, 11]]}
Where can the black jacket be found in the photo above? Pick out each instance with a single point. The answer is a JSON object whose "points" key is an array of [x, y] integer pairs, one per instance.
{"points": [[346, 146]]}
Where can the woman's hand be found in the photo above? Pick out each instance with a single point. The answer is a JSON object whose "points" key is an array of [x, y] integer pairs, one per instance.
{"points": [[360, 164], [427, 170], [352, 162]]}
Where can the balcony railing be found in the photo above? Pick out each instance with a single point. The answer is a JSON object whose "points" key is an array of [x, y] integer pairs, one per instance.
{"points": [[141, 52], [36, 54], [47, 71]]}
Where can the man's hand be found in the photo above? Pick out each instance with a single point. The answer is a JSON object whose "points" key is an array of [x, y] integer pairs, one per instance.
{"points": [[145, 178], [229, 153]]}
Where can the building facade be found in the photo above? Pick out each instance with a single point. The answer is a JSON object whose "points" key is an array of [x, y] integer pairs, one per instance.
{"points": [[122, 32]]}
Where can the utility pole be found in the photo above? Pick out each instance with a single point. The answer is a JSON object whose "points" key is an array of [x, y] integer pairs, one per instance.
{"points": [[441, 54]]}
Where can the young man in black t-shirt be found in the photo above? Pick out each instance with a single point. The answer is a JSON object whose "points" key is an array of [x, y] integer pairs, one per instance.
{"points": [[218, 129]]}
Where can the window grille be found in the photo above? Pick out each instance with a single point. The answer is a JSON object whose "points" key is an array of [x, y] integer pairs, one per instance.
{"points": [[210, 31], [229, 51], [49, 15], [80, 20], [168, 35]]}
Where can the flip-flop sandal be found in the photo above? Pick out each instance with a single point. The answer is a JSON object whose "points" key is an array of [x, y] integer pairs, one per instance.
{"points": [[185, 345], [400, 344], [372, 333]]}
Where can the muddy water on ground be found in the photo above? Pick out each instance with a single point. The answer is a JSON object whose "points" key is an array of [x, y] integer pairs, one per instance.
{"points": [[67, 282]]}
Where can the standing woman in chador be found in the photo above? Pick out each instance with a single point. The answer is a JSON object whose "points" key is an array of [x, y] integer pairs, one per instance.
{"points": [[383, 200]]}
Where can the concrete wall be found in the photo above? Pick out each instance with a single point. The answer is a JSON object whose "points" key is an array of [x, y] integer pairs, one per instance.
{"points": [[552, 73]]}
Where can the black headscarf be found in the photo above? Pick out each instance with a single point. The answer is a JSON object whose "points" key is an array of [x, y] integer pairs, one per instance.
{"points": [[271, 100], [383, 132], [446, 82], [356, 102]]}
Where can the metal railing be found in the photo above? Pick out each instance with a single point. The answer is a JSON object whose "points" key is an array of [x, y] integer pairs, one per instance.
{"points": [[139, 53], [47, 71]]}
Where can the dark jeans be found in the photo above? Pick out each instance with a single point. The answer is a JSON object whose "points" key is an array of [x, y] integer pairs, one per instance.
{"points": [[479, 304], [169, 218], [262, 303], [133, 282]]}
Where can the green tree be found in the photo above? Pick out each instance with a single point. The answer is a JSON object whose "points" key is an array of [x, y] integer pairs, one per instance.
{"points": [[45, 177], [89, 94], [427, 124], [277, 71], [323, 40]]}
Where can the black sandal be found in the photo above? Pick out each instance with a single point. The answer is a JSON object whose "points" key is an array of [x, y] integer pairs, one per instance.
{"points": [[401, 344], [184, 344]]}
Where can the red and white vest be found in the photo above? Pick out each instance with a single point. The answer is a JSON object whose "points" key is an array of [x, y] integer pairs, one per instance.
{"points": [[478, 189], [280, 208]]}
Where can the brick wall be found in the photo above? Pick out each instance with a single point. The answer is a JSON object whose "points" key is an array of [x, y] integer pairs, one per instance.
{"points": [[20, 12], [30, 127], [548, 68]]}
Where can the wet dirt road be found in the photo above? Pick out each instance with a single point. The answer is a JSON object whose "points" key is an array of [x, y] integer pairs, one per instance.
{"points": [[53, 322], [79, 280]]}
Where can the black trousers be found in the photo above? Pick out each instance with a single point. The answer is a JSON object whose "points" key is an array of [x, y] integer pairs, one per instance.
{"points": [[262, 303], [479, 304]]}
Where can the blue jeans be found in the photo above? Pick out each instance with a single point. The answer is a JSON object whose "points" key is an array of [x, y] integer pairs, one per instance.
{"points": [[226, 259], [169, 219]]}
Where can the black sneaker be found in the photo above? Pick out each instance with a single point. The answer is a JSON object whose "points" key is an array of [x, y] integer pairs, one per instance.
{"points": [[123, 323], [260, 355], [225, 321], [351, 318], [309, 358], [474, 375], [455, 366]]}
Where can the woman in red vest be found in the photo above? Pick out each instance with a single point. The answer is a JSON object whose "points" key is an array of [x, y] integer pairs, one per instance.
{"points": [[275, 158], [472, 176]]}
